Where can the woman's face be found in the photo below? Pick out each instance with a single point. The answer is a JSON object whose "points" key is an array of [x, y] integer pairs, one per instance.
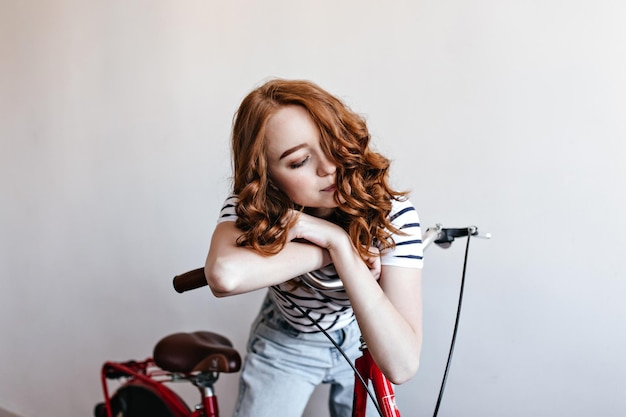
{"points": [[297, 164]]}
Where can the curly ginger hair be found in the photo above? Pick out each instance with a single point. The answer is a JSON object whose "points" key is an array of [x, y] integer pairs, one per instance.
{"points": [[363, 193]]}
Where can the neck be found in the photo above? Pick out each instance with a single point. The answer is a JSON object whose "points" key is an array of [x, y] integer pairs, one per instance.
{"points": [[322, 213]]}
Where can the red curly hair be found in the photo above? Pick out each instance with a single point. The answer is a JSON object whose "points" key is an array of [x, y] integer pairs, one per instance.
{"points": [[363, 192]]}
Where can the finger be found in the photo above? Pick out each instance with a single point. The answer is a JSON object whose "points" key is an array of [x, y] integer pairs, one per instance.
{"points": [[289, 219]]}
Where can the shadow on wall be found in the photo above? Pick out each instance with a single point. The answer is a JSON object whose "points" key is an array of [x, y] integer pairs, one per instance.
{"points": [[5, 413]]}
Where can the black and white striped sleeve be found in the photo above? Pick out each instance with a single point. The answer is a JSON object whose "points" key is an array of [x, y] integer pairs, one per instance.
{"points": [[228, 213], [408, 251]]}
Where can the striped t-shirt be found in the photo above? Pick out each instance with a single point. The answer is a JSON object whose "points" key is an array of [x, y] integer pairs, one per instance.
{"points": [[332, 309]]}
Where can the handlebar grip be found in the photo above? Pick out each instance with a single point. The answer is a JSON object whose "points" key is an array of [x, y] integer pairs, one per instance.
{"points": [[190, 280], [449, 234]]}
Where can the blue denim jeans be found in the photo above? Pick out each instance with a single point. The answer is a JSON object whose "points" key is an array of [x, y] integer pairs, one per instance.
{"points": [[283, 366]]}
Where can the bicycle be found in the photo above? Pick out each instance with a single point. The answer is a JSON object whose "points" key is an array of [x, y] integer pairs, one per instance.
{"points": [[199, 358]]}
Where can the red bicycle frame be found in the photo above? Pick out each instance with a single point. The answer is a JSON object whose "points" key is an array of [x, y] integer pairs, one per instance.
{"points": [[383, 390], [148, 376]]}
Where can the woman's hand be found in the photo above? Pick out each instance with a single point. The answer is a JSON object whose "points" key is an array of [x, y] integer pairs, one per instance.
{"points": [[328, 235], [315, 230], [373, 262]]}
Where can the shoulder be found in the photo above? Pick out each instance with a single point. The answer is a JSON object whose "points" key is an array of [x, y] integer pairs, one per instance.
{"points": [[408, 250], [403, 212], [228, 212]]}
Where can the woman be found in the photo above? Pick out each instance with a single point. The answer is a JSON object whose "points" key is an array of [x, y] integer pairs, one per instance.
{"points": [[309, 194]]}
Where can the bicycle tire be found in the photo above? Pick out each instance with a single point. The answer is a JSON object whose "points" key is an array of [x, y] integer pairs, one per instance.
{"points": [[135, 399]]}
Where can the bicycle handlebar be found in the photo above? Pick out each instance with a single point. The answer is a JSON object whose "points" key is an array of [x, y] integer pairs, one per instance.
{"points": [[190, 280], [436, 234], [442, 237]]}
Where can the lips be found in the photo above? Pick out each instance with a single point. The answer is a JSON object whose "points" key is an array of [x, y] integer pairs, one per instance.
{"points": [[330, 188]]}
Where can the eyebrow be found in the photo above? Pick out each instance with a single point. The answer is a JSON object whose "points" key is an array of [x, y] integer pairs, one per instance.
{"points": [[292, 150]]}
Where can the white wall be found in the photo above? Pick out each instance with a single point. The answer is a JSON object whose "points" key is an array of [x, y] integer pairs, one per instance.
{"points": [[114, 160]]}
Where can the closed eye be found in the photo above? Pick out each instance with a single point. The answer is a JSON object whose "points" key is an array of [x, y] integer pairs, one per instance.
{"points": [[297, 165]]}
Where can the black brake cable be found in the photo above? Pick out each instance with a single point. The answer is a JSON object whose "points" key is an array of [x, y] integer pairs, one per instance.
{"points": [[345, 356], [452, 343], [456, 326]]}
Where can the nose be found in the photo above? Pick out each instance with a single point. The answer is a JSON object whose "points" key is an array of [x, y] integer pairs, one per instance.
{"points": [[325, 166]]}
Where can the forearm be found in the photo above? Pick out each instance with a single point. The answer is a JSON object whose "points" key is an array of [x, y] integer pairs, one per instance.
{"points": [[232, 269], [394, 344], [388, 312]]}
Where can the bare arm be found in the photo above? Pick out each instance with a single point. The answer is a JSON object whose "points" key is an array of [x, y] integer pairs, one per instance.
{"points": [[389, 311], [390, 318], [232, 269]]}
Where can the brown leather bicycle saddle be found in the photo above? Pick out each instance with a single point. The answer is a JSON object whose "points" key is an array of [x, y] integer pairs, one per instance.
{"points": [[196, 352]]}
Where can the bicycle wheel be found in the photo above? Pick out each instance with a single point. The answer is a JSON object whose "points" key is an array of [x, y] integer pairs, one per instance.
{"points": [[135, 399]]}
